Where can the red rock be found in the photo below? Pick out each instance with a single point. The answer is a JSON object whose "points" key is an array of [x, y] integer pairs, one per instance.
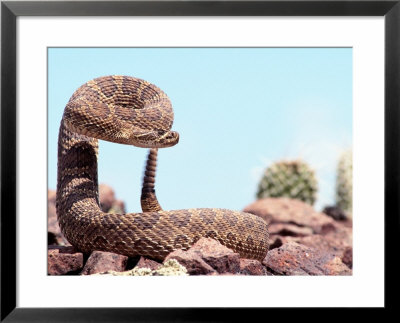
{"points": [[335, 266], [219, 257], [55, 237], [275, 241], [192, 262], [342, 234], [295, 223], [51, 196], [106, 197], [288, 229], [100, 261], [63, 260], [148, 263], [334, 242], [296, 259], [347, 257], [224, 274], [252, 267], [347, 223], [285, 210], [335, 212], [207, 256]]}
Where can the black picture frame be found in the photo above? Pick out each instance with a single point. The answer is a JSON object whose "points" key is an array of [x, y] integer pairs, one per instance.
{"points": [[10, 10]]}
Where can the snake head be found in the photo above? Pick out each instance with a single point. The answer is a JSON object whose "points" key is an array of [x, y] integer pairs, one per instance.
{"points": [[78, 119], [124, 110], [156, 139]]}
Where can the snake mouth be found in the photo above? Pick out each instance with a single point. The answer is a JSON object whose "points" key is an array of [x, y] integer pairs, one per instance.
{"points": [[157, 139]]}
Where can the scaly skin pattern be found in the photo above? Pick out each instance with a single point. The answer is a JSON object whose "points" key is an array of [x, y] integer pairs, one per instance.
{"points": [[131, 111]]}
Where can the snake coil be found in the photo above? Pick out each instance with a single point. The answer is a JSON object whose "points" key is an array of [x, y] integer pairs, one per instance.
{"points": [[132, 111]]}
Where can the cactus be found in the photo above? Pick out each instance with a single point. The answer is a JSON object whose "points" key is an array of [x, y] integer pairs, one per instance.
{"points": [[344, 182], [292, 179]]}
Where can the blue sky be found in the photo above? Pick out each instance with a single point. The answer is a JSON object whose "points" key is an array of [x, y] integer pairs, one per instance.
{"points": [[237, 110]]}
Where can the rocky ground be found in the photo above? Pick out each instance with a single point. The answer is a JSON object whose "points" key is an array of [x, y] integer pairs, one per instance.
{"points": [[302, 242]]}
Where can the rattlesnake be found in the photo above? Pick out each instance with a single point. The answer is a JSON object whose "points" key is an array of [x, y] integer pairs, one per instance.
{"points": [[132, 111]]}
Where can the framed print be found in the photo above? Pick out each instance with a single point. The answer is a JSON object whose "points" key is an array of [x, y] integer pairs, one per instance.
{"points": [[271, 103]]}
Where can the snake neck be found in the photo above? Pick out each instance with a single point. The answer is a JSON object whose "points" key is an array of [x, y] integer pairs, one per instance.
{"points": [[76, 172]]}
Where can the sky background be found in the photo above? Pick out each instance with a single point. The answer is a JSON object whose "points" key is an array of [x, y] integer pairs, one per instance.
{"points": [[237, 110]]}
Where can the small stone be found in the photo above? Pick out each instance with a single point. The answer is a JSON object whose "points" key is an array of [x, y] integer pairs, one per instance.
{"points": [[106, 197], [347, 257], [148, 263], [207, 256], [191, 261], [101, 261], [252, 267], [335, 212], [63, 260], [288, 229]]}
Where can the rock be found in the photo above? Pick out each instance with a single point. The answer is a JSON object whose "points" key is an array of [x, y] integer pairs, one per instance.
{"points": [[275, 241], [224, 274], [106, 197], [63, 260], [169, 268], [287, 229], [219, 257], [207, 256], [192, 262], [293, 221], [335, 212], [101, 261], [330, 244], [252, 267], [108, 203], [335, 266], [295, 259], [291, 211], [148, 263], [347, 257], [334, 242], [338, 243], [54, 235]]}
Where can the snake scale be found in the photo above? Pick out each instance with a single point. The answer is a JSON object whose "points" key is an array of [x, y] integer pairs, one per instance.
{"points": [[132, 111]]}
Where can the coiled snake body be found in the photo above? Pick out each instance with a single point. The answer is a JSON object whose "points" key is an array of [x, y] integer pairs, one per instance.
{"points": [[131, 111]]}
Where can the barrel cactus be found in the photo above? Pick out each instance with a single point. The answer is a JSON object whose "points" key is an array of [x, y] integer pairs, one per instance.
{"points": [[344, 182], [293, 179]]}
